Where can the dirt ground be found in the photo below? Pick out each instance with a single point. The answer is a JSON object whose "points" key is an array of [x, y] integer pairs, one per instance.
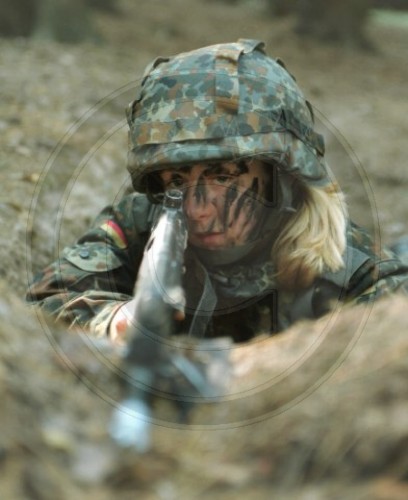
{"points": [[319, 412]]}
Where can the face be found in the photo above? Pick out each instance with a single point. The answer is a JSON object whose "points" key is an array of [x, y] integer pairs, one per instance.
{"points": [[223, 202]]}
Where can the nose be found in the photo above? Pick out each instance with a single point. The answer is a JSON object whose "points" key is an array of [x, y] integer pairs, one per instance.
{"points": [[197, 204]]}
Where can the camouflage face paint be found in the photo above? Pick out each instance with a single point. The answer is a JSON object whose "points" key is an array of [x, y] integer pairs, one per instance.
{"points": [[200, 191], [224, 202]]}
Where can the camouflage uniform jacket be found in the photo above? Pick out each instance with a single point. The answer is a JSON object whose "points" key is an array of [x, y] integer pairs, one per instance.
{"points": [[95, 276]]}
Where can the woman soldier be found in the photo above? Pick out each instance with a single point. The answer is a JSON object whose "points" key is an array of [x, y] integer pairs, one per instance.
{"points": [[269, 239]]}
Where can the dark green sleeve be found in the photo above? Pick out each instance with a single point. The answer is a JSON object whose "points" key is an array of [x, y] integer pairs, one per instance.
{"points": [[95, 276]]}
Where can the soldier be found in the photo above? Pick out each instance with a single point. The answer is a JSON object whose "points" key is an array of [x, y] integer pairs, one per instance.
{"points": [[269, 238]]}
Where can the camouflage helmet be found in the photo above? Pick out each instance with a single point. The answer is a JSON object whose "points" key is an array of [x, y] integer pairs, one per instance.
{"points": [[222, 103]]}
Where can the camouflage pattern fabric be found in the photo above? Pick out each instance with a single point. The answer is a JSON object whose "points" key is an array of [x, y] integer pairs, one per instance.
{"points": [[223, 102], [96, 275]]}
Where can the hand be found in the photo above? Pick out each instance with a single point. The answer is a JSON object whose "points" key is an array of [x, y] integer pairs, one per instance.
{"points": [[123, 318], [120, 322]]}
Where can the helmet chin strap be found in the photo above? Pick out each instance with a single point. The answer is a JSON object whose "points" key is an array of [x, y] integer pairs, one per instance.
{"points": [[286, 192]]}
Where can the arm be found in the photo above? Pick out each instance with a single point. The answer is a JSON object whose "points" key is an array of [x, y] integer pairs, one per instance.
{"points": [[366, 276], [94, 278], [381, 274]]}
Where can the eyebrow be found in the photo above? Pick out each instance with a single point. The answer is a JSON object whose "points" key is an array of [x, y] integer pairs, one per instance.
{"points": [[185, 170], [216, 169], [237, 169]]}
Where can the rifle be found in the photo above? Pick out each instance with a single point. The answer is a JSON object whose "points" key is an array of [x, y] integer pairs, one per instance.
{"points": [[148, 360]]}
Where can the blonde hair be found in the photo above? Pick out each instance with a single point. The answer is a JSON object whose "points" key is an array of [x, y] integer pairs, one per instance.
{"points": [[314, 238]]}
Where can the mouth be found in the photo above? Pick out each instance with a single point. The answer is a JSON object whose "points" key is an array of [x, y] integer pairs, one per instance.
{"points": [[208, 240]]}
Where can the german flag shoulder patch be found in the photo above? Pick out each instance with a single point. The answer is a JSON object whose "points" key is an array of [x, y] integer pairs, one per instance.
{"points": [[115, 233]]}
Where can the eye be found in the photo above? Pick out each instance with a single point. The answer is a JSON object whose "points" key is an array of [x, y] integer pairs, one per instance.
{"points": [[222, 179], [176, 181]]}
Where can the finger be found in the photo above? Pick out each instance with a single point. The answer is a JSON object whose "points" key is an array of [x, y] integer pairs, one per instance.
{"points": [[179, 315], [121, 326]]}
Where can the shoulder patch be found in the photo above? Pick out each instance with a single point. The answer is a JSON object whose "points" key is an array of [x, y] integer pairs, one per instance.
{"points": [[115, 233]]}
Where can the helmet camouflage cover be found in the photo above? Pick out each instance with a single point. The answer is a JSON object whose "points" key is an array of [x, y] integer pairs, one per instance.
{"points": [[222, 103]]}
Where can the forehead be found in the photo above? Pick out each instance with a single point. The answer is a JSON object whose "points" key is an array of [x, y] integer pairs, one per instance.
{"points": [[242, 168]]}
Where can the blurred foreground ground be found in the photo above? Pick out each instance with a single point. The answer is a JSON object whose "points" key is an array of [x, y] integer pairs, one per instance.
{"points": [[319, 412]]}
